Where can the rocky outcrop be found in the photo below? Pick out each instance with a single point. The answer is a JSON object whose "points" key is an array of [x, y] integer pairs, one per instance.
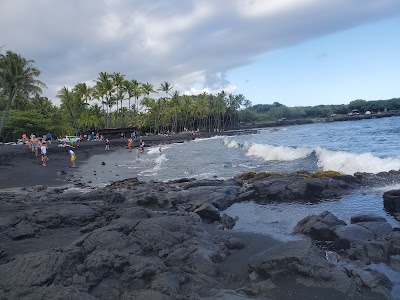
{"points": [[319, 227], [160, 240], [128, 253], [391, 203], [300, 186], [368, 239], [308, 265]]}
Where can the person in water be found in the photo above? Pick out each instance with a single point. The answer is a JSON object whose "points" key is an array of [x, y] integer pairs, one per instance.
{"points": [[73, 158], [141, 145], [137, 153], [130, 142]]}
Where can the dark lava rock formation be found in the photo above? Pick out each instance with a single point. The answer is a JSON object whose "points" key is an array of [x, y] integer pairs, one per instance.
{"points": [[169, 240]]}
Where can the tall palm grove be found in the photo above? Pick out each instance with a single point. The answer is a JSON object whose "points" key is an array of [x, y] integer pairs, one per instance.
{"points": [[111, 101]]}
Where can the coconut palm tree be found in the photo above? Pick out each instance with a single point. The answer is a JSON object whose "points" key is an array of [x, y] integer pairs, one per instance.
{"points": [[42, 104], [118, 80], [18, 76], [148, 88], [97, 93], [137, 92], [166, 87], [84, 93], [105, 87], [70, 104], [128, 90]]}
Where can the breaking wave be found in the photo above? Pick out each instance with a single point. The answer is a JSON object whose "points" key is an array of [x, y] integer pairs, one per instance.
{"points": [[350, 163], [340, 161], [282, 153]]}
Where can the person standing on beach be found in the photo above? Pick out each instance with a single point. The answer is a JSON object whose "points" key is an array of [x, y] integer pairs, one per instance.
{"points": [[48, 137], [107, 144], [43, 150], [35, 145], [73, 157], [130, 142]]}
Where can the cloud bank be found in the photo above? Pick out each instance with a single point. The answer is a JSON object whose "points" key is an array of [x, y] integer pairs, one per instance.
{"points": [[192, 44]]}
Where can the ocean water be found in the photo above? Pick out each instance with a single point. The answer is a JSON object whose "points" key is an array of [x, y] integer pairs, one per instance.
{"points": [[353, 146]]}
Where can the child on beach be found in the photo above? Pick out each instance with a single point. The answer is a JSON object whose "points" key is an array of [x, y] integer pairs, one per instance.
{"points": [[107, 144], [43, 150], [73, 158]]}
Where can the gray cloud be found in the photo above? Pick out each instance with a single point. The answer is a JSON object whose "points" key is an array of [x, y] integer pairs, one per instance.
{"points": [[183, 42]]}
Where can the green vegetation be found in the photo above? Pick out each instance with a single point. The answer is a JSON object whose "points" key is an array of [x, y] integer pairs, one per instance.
{"points": [[262, 113], [115, 101], [326, 174]]}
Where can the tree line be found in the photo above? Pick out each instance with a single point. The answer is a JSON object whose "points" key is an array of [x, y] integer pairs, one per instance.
{"points": [[112, 101]]}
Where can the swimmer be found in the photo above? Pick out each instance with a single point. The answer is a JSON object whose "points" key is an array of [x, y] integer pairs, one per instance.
{"points": [[137, 154]]}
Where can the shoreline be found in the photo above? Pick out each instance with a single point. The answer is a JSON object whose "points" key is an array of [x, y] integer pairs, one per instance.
{"points": [[19, 168]]}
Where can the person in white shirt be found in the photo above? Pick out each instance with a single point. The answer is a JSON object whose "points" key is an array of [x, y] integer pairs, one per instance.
{"points": [[43, 150]]}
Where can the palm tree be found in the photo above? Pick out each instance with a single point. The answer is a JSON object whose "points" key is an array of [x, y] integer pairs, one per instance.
{"points": [[98, 112], [148, 88], [84, 93], [127, 86], [42, 104], [68, 100], [118, 80], [18, 76], [106, 88], [137, 92], [97, 93], [165, 87]]}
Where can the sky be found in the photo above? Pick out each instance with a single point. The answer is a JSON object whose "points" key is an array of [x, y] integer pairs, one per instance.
{"points": [[295, 52]]}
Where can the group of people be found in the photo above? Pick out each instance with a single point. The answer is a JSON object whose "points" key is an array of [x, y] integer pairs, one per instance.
{"points": [[139, 149], [36, 144]]}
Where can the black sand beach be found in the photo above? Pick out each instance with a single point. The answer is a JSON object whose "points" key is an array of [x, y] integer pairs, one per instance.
{"points": [[20, 167]]}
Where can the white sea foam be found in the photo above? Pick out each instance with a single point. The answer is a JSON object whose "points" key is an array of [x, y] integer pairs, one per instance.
{"points": [[244, 166], [386, 188], [350, 163], [159, 161], [153, 150], [282, 153], [231, 143], [216, 137]]}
